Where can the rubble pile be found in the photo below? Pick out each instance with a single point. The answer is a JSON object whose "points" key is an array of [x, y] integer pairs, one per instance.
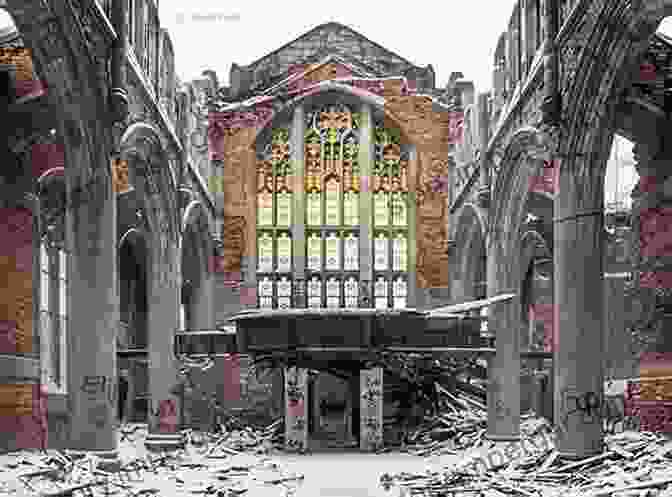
{"points": [[218, 465], [633, 464], [461, 424]]}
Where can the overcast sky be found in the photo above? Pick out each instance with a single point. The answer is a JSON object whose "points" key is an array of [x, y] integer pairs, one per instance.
{"points": [[451, 35]]}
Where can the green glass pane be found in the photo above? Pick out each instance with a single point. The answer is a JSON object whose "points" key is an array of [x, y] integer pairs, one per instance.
{"points": [[314, 209], [380, 209], [332, 207], [284, 209]]}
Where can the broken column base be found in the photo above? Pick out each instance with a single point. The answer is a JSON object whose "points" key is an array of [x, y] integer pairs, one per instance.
{"points": [[158, 442], [108, 460]]}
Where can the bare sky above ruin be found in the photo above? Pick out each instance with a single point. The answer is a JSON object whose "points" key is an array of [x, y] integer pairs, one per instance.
{"points": [[451, 35]]}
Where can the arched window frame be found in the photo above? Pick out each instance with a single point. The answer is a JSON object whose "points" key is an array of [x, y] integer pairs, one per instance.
{"points": [[53, 290], [331, 155]]}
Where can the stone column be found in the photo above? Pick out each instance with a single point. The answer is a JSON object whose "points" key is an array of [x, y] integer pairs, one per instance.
{"points": [[163, 323], [203, 304], [504, 366], [371, 409], [578, 294], [366, 157], [415, 297], [298, 208], [92, 230], [296, 409]]}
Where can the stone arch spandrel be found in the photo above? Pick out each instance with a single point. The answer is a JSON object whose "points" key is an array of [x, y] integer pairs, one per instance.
{"points": [[521, 163], [66, 61]]}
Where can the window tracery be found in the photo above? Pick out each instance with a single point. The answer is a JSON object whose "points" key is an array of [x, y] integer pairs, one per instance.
{"points": [[390, 217], [274, 219], [331, 215], [332, 203]]}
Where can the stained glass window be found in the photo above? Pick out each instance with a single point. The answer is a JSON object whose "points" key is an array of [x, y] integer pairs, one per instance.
{"points": [[380, 252], [266, 293], [380, 293], [284, 293], [284, 253], [314, 252], [331, 213], [333, 293], [399, 252], [332, 198], [274, 212], [315, 292], [333, 252], [351, 258], [390, 217], [351, 292], [265, 244], [399, 292]]}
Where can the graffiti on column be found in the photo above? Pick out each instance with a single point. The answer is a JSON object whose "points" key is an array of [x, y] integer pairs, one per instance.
{"points": [[501, 411], [232, 378], [543, 315], [371, 418], [296, 426], [167, 416], [546, 181], [101, 392]]}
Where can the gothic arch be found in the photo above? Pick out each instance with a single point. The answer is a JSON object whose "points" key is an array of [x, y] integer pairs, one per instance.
{"points": [[197, 222], [470, 239], [142, 141], [71, 60], [518, 165]]}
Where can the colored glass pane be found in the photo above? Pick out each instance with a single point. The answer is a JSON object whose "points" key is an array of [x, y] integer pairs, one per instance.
{"points": [[284, 253], [399, 252], [265, 253], [314, 252], [284, 209], [380, 209], [351, 253], [333, 252], [380, 252]]}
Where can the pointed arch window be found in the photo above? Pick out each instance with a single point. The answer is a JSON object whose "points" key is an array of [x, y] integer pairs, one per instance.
{"points": [[332, 204], [390, 217], [53, 290], [274, 219], [331, 213]]}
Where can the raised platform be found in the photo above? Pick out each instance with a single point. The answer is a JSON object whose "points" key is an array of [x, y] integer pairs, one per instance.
{"points": [[352, 331]]}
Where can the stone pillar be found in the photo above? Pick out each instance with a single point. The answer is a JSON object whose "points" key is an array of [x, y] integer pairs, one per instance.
{"points": [[298, 193], [484, 138], [578, 294], [371, 409], [366, 157], [163, 323], [504, 367], [92, 347], [296, 409], [415, 297], [203, 314]]}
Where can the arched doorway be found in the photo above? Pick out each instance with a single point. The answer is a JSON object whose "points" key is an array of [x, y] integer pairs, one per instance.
{"points": [[132, 339]]}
